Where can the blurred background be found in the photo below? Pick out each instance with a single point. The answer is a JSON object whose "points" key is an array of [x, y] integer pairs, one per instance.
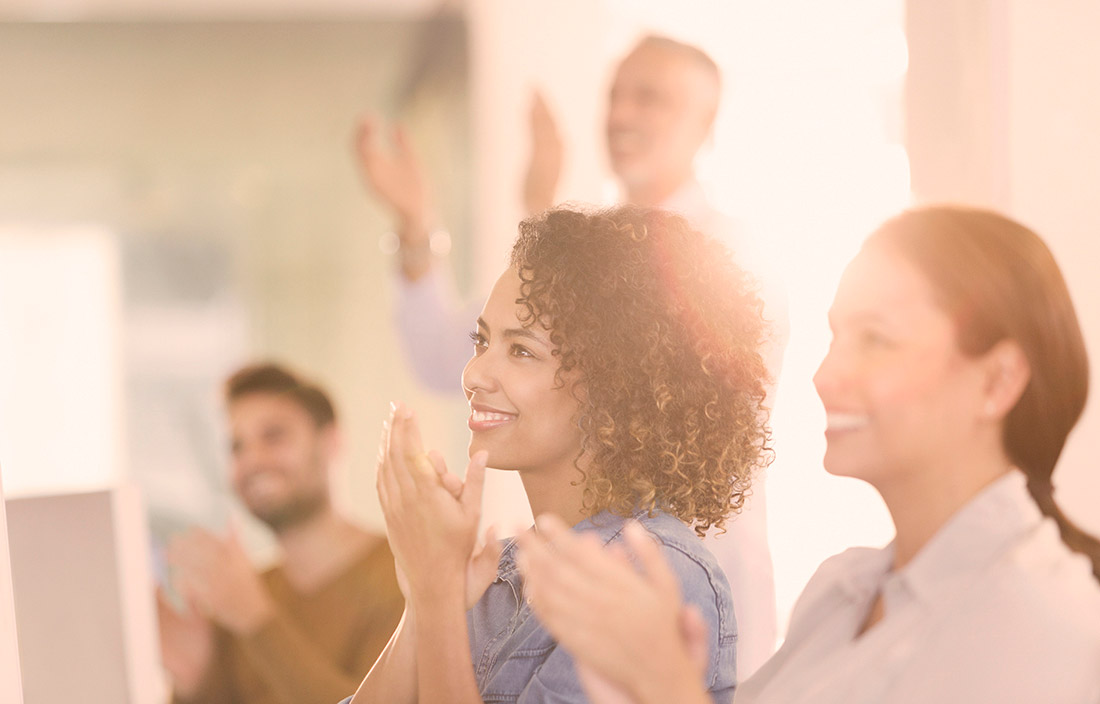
{"points": [[178, 195]]}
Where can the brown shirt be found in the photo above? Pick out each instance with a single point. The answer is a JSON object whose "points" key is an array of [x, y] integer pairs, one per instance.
{"points": [[318, 647]]}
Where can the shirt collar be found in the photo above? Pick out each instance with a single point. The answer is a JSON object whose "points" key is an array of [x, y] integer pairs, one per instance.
{"points": [[973, 538], [690, 201], [606, 525], [864, 572]]}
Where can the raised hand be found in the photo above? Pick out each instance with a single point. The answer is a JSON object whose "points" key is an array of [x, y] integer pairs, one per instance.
{"points": [[432, 517], [186, 645], [217, 576], [394, 173], [544, 169]]}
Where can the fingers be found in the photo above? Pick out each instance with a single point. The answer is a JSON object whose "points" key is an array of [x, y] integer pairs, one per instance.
{"points": [[491, 549], [542, 120], [474, 485], [233, 539], [381, 476], [565, 562], [539, 110], [450, 482], [402, 142], [197, 550], [405, 471], [582, 553], [366, 137], [165, 610], [693, 630], [398, 453], [649, 557], [417, 462]]}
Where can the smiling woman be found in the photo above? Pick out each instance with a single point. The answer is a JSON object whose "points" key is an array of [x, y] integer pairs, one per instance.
{"points": [[617, 369], [956, 372], [520, 411]]}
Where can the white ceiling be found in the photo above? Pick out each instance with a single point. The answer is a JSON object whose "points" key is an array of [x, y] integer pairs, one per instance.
{"points": [[156, 10]]}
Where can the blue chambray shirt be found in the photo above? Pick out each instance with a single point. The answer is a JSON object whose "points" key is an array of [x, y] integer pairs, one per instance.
{"points": [[516, 660]]}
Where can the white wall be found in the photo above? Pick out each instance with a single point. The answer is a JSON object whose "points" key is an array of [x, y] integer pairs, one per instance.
{"points": [[1002, 113], [1054, 184], [60, 364]]}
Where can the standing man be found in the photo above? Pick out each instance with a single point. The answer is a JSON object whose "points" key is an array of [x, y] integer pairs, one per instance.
{"points": [[310, 628], [661, 110]]}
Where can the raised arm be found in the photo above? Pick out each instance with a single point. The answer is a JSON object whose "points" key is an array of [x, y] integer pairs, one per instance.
{"points": [[540, 184], [394, 174]]}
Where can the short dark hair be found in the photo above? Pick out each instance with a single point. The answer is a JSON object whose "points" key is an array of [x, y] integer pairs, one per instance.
{"points": [[271, 378]]}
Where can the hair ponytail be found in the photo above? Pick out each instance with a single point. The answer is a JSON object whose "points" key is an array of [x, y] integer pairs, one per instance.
{"points": [[1073, 536], [998, 280]]}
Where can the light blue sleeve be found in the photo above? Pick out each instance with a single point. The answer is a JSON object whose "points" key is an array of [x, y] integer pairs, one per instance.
{"points": [[434, 330]]}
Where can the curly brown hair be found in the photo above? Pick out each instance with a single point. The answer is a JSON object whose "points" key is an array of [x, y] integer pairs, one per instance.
{"points": [[665, 332]]}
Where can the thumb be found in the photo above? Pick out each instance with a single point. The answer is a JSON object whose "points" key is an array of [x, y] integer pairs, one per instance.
{"points": [[450, 482], [233, 538], [366, 135], [488, 557], [483, 566], [475, 482], [402, 142]]}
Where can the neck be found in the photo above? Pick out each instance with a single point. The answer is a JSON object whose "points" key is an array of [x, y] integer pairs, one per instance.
{"points": [[922, 501], [560, 493], [652, 194], [317, 548]]}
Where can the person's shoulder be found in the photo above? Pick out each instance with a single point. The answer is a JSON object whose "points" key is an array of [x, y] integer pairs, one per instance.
{"points": [[1050, 589], [1036, 610], [673, 534], [836, 579], [687, 555], [854, 566], [849, 561]]}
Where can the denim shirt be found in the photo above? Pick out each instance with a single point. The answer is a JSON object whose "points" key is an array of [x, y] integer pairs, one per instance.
{"points": [[516, 660]]}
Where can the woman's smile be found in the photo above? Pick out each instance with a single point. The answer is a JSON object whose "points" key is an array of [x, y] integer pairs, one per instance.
{"points": [[484, 418]]}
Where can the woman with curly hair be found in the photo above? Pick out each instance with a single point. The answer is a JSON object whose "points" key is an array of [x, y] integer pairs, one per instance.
{"points": [[616, 368]]}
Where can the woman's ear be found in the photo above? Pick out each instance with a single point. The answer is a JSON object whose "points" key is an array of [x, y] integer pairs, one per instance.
{"points": [[1007, 375]]}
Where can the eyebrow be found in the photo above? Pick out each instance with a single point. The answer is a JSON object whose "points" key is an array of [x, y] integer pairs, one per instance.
{"points": [[861, 317], [513, 332]]}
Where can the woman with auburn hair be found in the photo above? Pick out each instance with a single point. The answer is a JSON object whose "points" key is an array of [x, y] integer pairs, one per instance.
{"points": [[616, 367], [956, 372]]}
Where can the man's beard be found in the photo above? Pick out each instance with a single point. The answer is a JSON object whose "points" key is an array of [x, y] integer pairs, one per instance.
{"points": [[295, 511]]}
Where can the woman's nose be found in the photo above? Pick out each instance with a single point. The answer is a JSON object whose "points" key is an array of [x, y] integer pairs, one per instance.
{"points": [[478, 374], [830, 374]]}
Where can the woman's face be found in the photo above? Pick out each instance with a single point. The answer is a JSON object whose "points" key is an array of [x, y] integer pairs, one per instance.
{"points": [[518, 410], [899, 395]]}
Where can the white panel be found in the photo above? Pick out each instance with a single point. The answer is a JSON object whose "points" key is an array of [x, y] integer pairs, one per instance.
{"points": [[83, 598], [11, 682]]}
